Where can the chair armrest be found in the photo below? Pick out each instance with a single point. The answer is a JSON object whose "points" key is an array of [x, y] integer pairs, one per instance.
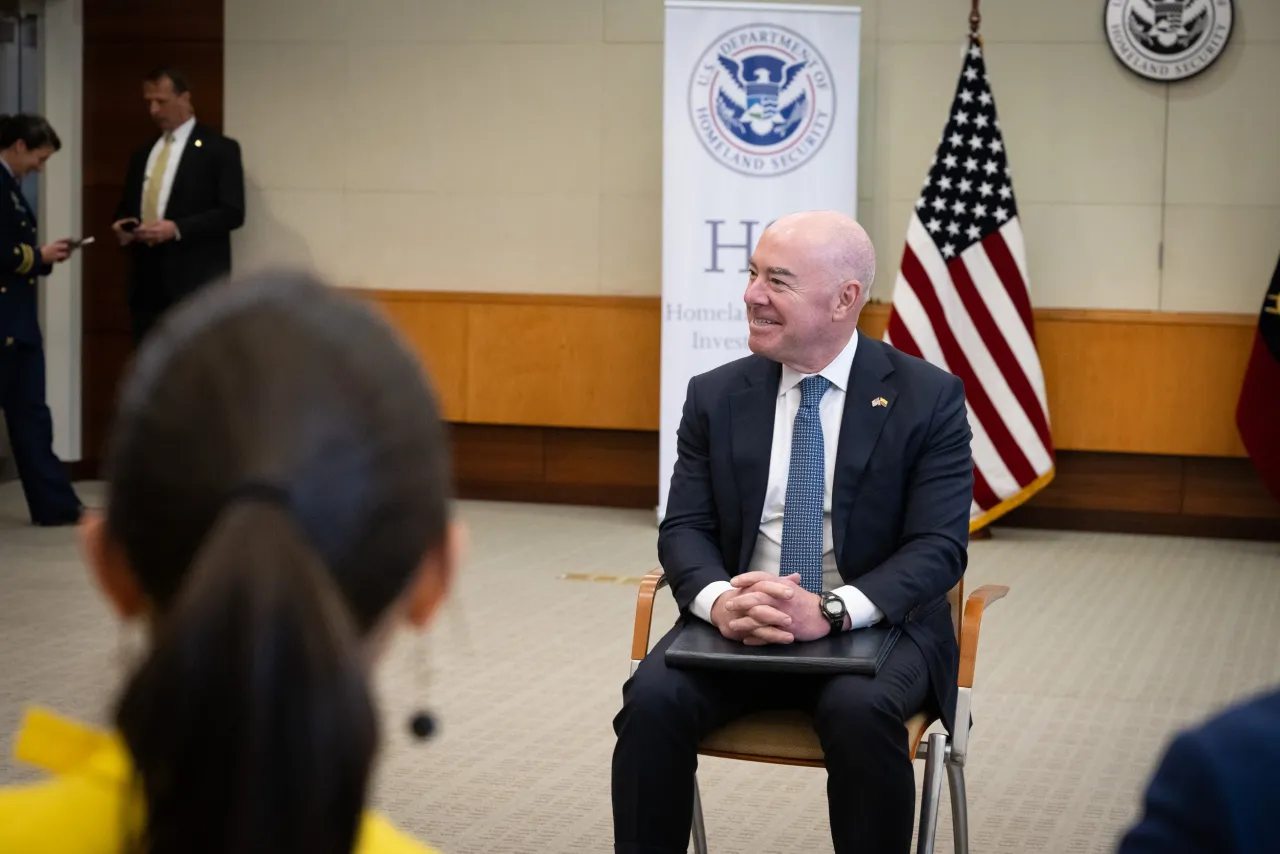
{"points": [[651, 584], [977, 602]]}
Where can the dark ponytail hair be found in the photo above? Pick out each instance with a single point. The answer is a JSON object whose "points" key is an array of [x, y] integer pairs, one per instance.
{"points": [[33, 130], [276, 474]]}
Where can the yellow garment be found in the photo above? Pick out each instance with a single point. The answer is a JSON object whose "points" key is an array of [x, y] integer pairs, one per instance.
{"points": [[80, 810]]}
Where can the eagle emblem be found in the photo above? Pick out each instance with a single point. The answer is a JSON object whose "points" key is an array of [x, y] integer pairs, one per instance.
{"points": [[759, 100], [762, 100], [1168, 27]]}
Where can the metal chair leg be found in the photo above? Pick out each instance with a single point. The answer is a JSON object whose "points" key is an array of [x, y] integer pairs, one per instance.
{"points": [[932, 796], [699, 829], [959, 807]]}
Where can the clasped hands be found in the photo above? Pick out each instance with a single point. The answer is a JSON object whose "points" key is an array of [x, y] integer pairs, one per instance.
{"points": [[763, 609], [151, 233]]}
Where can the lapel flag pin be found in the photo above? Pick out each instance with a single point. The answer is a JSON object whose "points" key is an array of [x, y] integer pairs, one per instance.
{"points": [[879, 401]]}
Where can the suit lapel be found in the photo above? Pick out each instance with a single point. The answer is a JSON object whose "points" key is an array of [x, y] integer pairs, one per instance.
{"points": [[752, 411], [860, 428]]}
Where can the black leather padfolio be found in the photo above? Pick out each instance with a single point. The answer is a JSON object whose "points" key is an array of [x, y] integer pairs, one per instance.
{"points": [[700, 645]]}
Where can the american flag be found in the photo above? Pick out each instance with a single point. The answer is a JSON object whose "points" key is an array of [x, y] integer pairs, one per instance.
{"points": [[961, 299]]}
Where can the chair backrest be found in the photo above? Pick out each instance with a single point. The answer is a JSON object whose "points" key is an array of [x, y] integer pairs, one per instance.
{"points": [[955, 597]]}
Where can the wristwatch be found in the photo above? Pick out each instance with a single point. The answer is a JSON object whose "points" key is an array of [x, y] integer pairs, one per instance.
{"points": [[833, 609]]}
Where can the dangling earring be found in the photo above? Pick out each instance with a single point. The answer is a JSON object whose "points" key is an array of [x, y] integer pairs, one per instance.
{"points": [[422, 724]]}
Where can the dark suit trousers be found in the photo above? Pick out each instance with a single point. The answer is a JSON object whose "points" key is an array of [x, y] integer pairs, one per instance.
{"points": [[149, 292], [45, 484], [859, 720]]}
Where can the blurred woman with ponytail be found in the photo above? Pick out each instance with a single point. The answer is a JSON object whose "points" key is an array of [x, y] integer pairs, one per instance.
{"points": [[278, 503]]}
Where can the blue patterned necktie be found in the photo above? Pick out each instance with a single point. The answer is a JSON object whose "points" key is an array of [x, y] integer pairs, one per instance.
{"points": [[806, 484]]}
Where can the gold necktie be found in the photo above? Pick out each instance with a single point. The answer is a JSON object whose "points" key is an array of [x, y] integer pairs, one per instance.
{"points": [[151, 198]]}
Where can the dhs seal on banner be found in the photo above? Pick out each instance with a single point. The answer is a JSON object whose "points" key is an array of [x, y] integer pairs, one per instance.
{"points": [[762, 100], [1168, 40]]}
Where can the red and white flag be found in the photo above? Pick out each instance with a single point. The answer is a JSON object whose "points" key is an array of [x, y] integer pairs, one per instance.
{"points": [[961, 299]]}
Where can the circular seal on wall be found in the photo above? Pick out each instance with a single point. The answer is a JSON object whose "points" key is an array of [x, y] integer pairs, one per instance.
{"points": [[1168, 40], [762, 100]]}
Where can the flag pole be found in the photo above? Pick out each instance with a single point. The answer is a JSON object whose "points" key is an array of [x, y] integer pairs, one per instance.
{"points": [[975, 26]]}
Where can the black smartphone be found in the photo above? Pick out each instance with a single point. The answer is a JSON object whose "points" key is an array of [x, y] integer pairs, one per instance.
{"points": [[130, 225]]}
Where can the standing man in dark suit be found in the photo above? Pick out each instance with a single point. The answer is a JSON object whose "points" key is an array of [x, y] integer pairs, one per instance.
{"points": [[26, 143], [822, 484], [183, 196]]}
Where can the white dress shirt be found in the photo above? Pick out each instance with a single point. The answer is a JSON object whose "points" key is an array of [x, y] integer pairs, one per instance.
{"points": [[768, 549], [180, 137]]}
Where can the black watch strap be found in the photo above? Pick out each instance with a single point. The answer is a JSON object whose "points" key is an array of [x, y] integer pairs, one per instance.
{"points": [[836, 620]]}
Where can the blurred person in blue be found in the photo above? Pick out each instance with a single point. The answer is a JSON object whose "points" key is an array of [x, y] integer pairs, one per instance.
{"points": [[1215, 790]]}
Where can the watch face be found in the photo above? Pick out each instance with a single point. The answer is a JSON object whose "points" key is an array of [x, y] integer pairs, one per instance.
{"points": [[834, 606]]}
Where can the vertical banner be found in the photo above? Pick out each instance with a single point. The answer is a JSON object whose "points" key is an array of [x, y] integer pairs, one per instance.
{"points": [[760, 119]]}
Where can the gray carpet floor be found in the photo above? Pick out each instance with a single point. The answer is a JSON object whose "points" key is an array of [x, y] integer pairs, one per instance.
{"points": [[1105, 647]]}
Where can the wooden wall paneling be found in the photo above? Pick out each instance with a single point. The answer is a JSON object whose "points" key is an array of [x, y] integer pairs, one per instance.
{"points": [[1099, 481], [153, 21], [874, 320], [1226, 487], [1093, 491], [593, 365], [486, 454], [437, 332], [1118, 382], [602, 457], [603, 468], [105, 265], [1144, 382]]}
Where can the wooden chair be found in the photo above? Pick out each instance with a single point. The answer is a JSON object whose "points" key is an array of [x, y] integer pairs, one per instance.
{"points": [[787, 738]]}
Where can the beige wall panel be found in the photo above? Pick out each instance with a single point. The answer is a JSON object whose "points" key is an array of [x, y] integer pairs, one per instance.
{"points": [[505, 244], [633, 21], [631, 119], [515, 145], [522, 119], [1042, 21], [288, 20], [889, 236], [1093, 256], [631, 244], [514, 21], [293, 228], [1257, 21], [397, 99], [1079, 127], [917, 85], [283, 103], [1219, 258], [1223, 128]]}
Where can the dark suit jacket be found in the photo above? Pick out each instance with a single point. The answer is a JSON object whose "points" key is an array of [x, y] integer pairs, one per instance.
{"points": [[206, 203], [20, 264], [900, 498], [1215, 791]]}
